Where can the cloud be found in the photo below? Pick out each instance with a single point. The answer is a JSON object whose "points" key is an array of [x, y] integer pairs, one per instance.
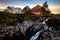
{"points": [[55, 9], [2, 6]]}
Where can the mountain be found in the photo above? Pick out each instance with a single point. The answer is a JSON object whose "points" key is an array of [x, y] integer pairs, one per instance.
{"points": [[36, 10], [37, 7], [1, 9]]}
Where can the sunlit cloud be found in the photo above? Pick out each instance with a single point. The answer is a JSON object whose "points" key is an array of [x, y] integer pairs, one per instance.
{"points": [[2, 6], [55, 9]]}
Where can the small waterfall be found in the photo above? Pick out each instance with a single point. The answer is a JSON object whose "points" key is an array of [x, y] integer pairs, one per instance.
{"points": [[36, 35]]}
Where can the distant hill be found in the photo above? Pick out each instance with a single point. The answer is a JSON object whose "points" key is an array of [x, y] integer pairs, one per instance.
{"points": [[56, 16]]}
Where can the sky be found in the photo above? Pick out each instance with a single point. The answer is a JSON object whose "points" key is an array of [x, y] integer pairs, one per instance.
{"points": [[54, 5]]}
